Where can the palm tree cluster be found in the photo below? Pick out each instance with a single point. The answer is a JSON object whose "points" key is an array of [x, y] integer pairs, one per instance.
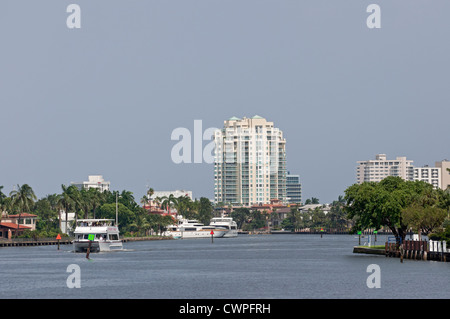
{"points": [[201, 210], [316, 218], [85, 203], [20, 200]]}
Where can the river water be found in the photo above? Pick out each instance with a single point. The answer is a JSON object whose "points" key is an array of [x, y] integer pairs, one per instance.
{"points": [[247, 267]]}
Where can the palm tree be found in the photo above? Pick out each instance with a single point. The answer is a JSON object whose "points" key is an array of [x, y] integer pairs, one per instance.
{"points": [[3, 202], [22, 200], [69, 200], [2, 196], [86, 200], [168, 202], [144, 201], [140, 223], [184, 206], [97, 199], [274, 217], [150, 192]]}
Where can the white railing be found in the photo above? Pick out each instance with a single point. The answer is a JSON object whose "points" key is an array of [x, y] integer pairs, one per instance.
{"points": [[438, 246]]}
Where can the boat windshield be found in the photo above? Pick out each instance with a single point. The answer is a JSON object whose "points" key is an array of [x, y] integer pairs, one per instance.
{"points": [[99, 237], [95, 223]]}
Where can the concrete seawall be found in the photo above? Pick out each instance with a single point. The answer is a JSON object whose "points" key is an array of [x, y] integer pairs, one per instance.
{"points": [[367, 250]]}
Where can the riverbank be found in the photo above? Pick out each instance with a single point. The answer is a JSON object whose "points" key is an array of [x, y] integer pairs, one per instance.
{"points": [[19, 242]]}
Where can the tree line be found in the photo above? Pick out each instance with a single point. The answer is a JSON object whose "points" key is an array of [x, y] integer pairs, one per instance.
{"points": [[392, 203], [400, 206], [133, 219], [252, 218]]}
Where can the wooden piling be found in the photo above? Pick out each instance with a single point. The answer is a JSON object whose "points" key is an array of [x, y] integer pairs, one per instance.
{"points": [[88, 251]]}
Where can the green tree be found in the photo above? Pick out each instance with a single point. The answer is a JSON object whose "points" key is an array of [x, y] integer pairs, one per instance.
{"points": [[240, 216], [144, 200], [168, 202], [159, 222], [378, 204], [47, 215], [424, 219], [186, 207], [337, 216], [312, 200], [68, 201], [205, 210], [4, 203], [140, 224], [318, 218], [125, 215], [2, 196], [85, 202], [22, 200]]}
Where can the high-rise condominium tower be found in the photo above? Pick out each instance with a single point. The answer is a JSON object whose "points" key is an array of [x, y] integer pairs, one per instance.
{"points": [[250, 162]]}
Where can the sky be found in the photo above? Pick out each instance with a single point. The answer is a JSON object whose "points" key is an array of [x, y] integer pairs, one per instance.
{"points": [[105, 98]]}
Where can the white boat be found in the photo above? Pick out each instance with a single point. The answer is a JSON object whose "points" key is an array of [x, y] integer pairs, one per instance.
{"points": [[194, 229], [227, 223], [104, 232]]}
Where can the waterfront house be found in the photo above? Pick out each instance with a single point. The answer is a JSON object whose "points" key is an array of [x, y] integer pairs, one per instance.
{"points": [[8, 230], [27, 220]]}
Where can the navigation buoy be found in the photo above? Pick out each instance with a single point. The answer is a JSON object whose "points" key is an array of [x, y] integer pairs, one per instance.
{"points": [[58, 238]]}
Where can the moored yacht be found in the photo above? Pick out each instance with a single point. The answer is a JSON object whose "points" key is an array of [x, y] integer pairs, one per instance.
{"points": [[194, 229], [103, 232], [227, 223]]}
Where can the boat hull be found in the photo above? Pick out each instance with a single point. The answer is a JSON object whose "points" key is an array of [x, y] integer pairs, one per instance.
{"points": [[82, 246], [196, 234], [231, 233]]}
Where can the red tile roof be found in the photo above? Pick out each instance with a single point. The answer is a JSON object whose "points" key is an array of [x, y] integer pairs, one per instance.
{"points": [[13, 225], [22, 215]]}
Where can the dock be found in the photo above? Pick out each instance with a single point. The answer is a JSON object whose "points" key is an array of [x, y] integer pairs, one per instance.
{"points": [[33, 242], [410, 249]]}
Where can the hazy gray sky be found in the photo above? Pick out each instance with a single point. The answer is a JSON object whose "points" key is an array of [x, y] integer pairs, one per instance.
{"points": [[104, 99]]}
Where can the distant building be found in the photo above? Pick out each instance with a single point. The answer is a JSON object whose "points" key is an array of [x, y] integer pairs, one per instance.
{"points": [[431, 175], [175, 193], [380, 168], [325, 208], [94, 181], [154, 206], [445, 174], [293, 189]]}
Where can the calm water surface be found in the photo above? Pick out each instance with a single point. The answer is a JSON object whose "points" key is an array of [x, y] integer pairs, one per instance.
{"points": [[250, 266]]}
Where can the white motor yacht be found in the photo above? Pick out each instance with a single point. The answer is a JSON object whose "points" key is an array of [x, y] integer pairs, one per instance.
{"points": [[227, 223], [194, 229], [104, 232]]}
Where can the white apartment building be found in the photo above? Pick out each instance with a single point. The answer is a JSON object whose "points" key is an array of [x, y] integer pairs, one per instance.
{"points": [[431, 175], [379, 168], [250, 162], [94, 181], [175, 193]]}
